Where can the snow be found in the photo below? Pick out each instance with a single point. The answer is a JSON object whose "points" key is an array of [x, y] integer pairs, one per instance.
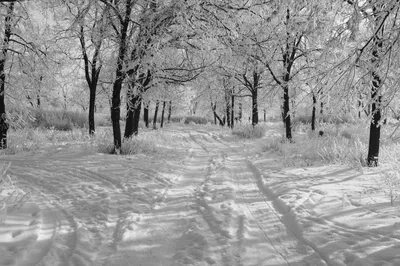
{"points": [[207, 198]]}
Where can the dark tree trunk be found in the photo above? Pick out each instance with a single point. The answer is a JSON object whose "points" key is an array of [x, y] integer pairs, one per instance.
{"points": [[29, 98], [321, 110], [129, 118], [92, 73], [214, 108], [228, 112], [6, 40], [155, 115], [146, 114], [232, 110], [265, 115], [169, 111], [116, 113], [216, 116], [254, 96], [136, 116], [162, 114], [374, 133], [119, 78], [38, 100], [288, 60], [254, 105], [376, 106], [133, 107], [288, 125], [314, 99], [92, 101], [240, 111], [143, 82], [252, 86]]}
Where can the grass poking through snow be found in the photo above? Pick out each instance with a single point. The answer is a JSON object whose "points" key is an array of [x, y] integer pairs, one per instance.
{"points": [[11, 197], [248, 131], [344, 144]]}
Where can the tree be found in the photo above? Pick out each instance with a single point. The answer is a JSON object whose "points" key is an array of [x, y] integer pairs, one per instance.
{"points": [[122, 11], [377, 51], [92, 66], [8, 26], [252, 84], [374, 53]]}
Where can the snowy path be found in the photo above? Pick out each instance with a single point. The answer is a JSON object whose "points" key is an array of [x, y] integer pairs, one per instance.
{"points": [[211, 200]]}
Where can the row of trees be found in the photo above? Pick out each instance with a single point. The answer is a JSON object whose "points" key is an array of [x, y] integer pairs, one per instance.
{"points": [[343, 51]]}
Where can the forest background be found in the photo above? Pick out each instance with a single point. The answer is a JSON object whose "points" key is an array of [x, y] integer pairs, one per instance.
{"points": [[309, 61]]}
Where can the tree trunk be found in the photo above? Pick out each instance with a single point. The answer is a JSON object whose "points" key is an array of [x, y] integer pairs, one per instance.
{"points": [[265, 115], [146, 114], [136, 116], [321, 106], [155, 115], [240, 111], [286, 114], [254, 96], [6, 40], [216, 116], [214, 107], [374, 134], [254, 105], [116, 113], [228, 113], [232, 110], [133, 107], [169, 111], [162, 114], [313, 112], [119, 78], [92, 73], [92, 100], [376, 106], [293, 107], [38, 100], [321, 110]]}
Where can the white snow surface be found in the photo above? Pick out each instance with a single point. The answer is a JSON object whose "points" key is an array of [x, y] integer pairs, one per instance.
{"points": [[207, 199]]}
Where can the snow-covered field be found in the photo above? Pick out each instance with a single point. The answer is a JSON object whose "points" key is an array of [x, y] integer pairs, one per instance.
{"points": [[207, 198]]}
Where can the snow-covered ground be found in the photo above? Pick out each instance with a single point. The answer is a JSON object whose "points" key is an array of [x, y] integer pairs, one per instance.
{"points": [[206, 199]]}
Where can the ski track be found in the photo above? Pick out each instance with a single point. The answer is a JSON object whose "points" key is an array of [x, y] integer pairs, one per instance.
{"points": [[213, 206]]}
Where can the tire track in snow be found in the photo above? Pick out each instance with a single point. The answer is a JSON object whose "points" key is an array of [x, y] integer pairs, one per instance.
{"points": [[219, 221], [221, 235], [66, 227], [257, 218], [91, 190], [284, 214]]}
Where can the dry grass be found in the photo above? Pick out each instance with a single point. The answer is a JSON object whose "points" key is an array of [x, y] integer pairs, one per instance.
{"points": [[32, 140], [248, 131], [143, 143], [11, 197], [345, 144], [341, 144]]}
